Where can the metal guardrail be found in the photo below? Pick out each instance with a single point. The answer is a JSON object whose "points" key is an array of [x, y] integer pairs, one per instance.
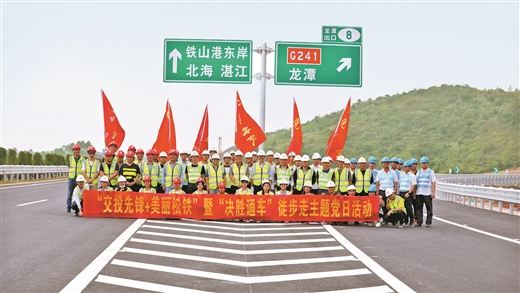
{"points": [[22, 172], [467, 195], [479, 179]]}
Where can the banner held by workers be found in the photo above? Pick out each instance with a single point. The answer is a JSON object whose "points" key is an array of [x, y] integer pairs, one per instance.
{"points": [[327, 208]]}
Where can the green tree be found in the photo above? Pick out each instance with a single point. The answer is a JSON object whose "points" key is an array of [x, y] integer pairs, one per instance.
{"points": [[3, 156], [11, 157], [37, 159], [49, 159]]}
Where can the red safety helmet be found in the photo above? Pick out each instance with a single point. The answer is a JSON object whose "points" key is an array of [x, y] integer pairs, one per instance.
{"points": [[131, 148], [91, 149], [130, 154], [139, 151], [113, 143], [109, 153], [200, 180], [173, 151], [177, 180], [155, 152], [76, 147], [120, 153], [147, 178], [221, 184], [149, 152]]}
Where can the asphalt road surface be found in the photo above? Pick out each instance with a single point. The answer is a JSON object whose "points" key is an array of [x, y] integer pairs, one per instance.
{"points": [[45, 249]]}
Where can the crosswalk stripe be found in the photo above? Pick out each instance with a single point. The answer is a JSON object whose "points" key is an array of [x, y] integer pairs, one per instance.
{"points": [[376, 289], [129, 283], [235, 229], [238, 242], [235, 251], [240, 263], [236, 234], [240, 279], [250, 224]]}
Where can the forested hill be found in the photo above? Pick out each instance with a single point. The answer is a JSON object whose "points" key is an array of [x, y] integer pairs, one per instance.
{"points": [[476, 130]]}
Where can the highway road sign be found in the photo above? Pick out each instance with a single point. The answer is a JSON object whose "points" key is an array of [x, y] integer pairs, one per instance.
{"points": [[207, 61], [317, 64], [341, 34], [495, 170], [457, 170]]}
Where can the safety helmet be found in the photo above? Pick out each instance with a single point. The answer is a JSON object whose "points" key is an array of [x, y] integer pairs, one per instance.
{"points": [[353, 161], [213, 149], [351, 187], [149, 152], [177, 180], [400, 161], [283, 157], [244, 178], [331, 184], [200, 180], [154, 152], [283, 181], [385, 160], [297, 158], [221, 185], [121, 179], [173, 152], [307, 184], [372, 159], [120, 153], [292, 154], [389, 191], [393, 159], [91, 149], [113, 143], [261, 153], [103, 179], [407, 164], [347, 161], [184, 152], [205, 152], [305, 158], [232, 152], [362, 160], [248, 155], [413, 161], [109, 152], [226, 155], [325, 160], [238, 153], [424, 159], [372, 188], [139, 151], [215, 156], [253, 153], [269, 153], [147, 178], [130, 154], [80, 178], [162, 154], [340, 158], [316, 156], [131, 148], [276, 155], [266, 181], [194, 154], [76, 147]]}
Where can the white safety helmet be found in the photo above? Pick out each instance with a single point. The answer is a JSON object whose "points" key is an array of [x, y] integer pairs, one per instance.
{"points": [[227, 155], [232, 152], [215, 156], [266, 181], [248, 155], [269, 153], [308, 183], [121, 179], [213, 149], [331, 184], [325, 160], [347, 161], [283, 181], [292, 154], [351, 187], [80, 178], [194, 154], [184, 152], [238, 153], [253, 153], [261, 153], [103, 179], [283, 157], [163, 154], [244, 178], [277, 155], [297, 158], [316, 156], [340, 158], [205, 152], [305, 158], [389, 191], [362, 160]]}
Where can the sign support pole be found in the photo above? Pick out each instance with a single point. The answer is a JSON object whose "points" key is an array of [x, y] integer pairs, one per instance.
{"points": [[263, 76]]}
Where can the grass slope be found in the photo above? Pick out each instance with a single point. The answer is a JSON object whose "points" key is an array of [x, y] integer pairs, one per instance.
{"points": [[476, 130]]}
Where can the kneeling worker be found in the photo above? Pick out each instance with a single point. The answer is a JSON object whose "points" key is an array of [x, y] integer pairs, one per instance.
{"points": [[77, 196], [395, 207]]}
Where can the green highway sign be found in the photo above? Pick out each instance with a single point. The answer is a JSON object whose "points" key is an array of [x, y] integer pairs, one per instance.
{"points": [[207, 61], [341, 34], [317, 64], [495, 170], [457, 170]]}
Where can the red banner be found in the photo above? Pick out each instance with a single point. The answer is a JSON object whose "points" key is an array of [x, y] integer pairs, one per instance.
{"points": [[201, 142], [297, 137], [113, 129], [248, 135], [339, 136], [328, 208], [166, 138]]}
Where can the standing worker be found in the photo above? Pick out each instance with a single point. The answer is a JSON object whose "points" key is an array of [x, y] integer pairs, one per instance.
{"points": [[238, 170], [426, 182], [152, 170], [171, 171], [90, 169], [342, 176], [131, 172], [163, 158], [215, 175], [75, 164], [194, 172], [324, 175], [362, 178], [261, 171], [407, 184], [303, 175], [109, 169], [283, 172]]}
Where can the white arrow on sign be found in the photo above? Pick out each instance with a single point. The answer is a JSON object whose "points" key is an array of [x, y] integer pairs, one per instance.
{"points": [[345, 62], [175, 54]]}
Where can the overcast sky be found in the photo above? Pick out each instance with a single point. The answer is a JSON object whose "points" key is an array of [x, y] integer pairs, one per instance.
{"points": [[57, 56]]}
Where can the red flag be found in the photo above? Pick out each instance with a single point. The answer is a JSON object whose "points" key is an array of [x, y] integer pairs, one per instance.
{"points": [[248, 135], [201, 142], [297, 137], [338, 138], [113, 130], [166, 139]]}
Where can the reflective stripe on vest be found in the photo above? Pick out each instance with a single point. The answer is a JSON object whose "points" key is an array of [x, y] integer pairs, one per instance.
{"points": [[91, 170], [283, 174], [153, 173], [261, 174], [374, 175], [423, 179], [214, 176], [171, 173], [109, 171], [302, 178], [229, 183], [194, 173], [324, 178], [241, 191], [405, 182], [75, 168], [386, 180], [239, 171], [363, 181], [341, 179], [143, 190]]}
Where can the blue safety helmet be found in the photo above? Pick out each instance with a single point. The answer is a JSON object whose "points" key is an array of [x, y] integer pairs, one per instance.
{"points": [[385, 160], [400, 161], [353, 161], [372, 188], [407, 164], [372, 159], [393, 159], [413, 161], [424, 159]]}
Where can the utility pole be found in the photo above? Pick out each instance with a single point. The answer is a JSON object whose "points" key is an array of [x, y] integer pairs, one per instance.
{"points": [[263, 76]]}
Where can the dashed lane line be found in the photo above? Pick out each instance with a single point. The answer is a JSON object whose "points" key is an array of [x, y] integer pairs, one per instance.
{"points": [[32, 202]]}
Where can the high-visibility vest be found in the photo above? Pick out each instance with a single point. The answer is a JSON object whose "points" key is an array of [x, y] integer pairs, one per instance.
{"points": [[386, 180], [243, 192], [75, 167], [302, 177], [180, 191], [239, 172], [194, 173], [200, 192], [143, 190], [261, 173], [363, 181], [261, 193], [91, 170], [424, 183], [324, 178], [229, 183], [214, 176], [171, 173], [405, 182], [341, 179], [109, 171], [283, 174], [287, 192], [152, 172]]}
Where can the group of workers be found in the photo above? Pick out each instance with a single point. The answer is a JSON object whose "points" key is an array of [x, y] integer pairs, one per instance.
{"points": [[402, 188]]}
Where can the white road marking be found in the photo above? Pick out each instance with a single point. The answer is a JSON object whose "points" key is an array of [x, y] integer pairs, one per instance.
{"points": [[81, 281], [236, 229], [235, 234], [32, 184], [238, 242], [240, 279], [240, 263], [395, 283], [144, 285], [32, 202], [236, 251], [477, 230], [377, 289], [236, 223]]}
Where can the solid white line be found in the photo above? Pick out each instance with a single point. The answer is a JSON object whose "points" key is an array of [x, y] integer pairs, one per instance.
{"points": [[238, 242], [24, 204], [477, 230], [236, 223], [236, 251], [237, 229], [240, 279], [144, 285], [240, 263], [377, 289], [395, 283], [31, 184], [236, 234], [81, 281]]}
